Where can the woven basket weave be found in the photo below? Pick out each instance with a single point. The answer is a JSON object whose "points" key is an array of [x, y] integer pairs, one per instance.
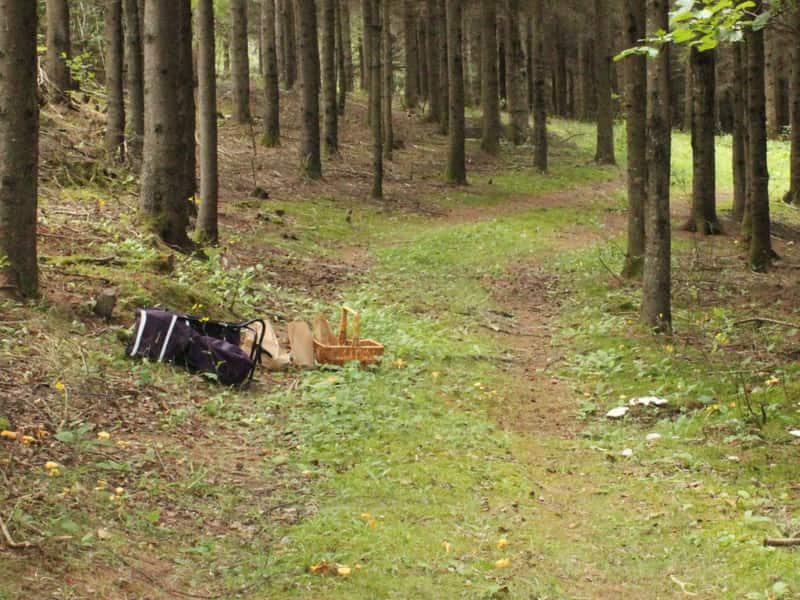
{"points": [[332, 351]]}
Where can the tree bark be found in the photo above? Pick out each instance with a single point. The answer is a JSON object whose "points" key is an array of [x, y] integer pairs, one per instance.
{"points": [[329, 99], [161, 200], [240, 62], [475, 44], [605, 108], [703, 217], [411, 94], [388, 80], [688, 95], [272, 112], [115, 120], [516, 74], [372, 44], [422, 47], [344, 8], [432, 47], [635, 67], [456, 156], [19, 149], [657, 278], [289, 42], [58, 47], [310, 159], [761, 253], [135, 78], [341, 69], [739, 154], [586, 95], [207, 227], [793, 195], [187, 110], [490, 99], [539, 88], [444, 75]]}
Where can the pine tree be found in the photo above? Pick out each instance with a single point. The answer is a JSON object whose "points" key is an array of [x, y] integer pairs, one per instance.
{"points": [[207, 227]]}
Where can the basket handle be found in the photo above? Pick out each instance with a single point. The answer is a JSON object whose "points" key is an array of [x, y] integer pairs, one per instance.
{"points": [[343, 327]]}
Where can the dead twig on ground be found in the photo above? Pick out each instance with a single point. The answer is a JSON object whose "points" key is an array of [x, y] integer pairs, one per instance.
{"points": [[768, 321], [10, 541], [782, 542]]}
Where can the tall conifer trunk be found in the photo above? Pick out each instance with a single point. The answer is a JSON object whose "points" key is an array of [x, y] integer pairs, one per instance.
{"points": [[739, 154], [59, 49], [635, 67], [134, 60], [490, 94], [605, 110], [793, 195], [456, 158], [240, 61], [207, 223], [539, 87], [657, 279], [516, 74], [761, 253], [411, 94], [310, 159], [329, 99], [272, 112], [161, 198], [115, 120], [19, 149]]}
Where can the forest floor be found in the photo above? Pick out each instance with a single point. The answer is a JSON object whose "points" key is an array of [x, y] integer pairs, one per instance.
{"points": [[475, 461]]}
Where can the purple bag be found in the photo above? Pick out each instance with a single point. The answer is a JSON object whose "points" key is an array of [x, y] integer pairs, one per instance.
{"points": [[165, 336]]}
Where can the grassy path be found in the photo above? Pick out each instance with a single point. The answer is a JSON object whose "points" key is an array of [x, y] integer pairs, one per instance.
{"points": [[475, 462]]}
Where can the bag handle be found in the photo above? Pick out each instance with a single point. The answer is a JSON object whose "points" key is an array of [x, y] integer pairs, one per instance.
{"points": [[343, 327]]}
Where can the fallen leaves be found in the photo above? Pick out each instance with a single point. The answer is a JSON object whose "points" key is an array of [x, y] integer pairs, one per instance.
{"points": [[8, 435], [502, 563], [331, 568]]}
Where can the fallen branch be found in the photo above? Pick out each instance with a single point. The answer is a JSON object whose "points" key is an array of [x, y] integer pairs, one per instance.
{"points": [[9, 540], [782, 542], [768, 321]]}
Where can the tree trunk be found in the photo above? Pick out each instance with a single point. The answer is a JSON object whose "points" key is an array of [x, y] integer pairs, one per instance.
{"points": [[490, 99], [587, 95], [388, 80], [207, 227], [58, 47], [761, 253], [344, 9], [289, 38], [240, 62], [703, 217], [366, 48], [772, 51], [187, 112], [115, 120], [793, 195], [226, 56], [341, 62], [411, 94], [605, 108], [135, 78], [456, 157], [529, 56], [329, 100], [372, 43], [161, 199], [444, 75], [636, 131], [739, 155], [19, 149], [475, 44], [272, 112], [422, 47], [657, 284], [432, 47], [310, 159], [688, 95], [539, 88], [516, 74]]}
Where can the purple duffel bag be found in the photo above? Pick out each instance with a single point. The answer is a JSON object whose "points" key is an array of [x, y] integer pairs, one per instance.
{"points": [[165, 336]]}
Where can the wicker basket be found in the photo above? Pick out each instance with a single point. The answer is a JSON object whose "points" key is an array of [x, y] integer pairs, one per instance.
{"points": [[339, 351]]}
